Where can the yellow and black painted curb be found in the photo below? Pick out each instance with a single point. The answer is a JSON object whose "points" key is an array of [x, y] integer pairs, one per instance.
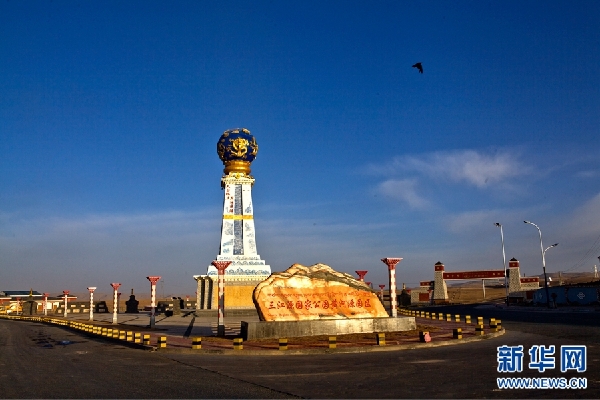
{"points": [[88, 330]]}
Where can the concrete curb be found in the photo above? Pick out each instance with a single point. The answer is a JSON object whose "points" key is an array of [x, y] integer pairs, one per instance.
{"points": [[232, 352], [362, 349]]}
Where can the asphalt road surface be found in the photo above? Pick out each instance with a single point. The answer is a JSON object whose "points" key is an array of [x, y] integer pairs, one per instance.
{"points": [[34, 364], [93, 368]]}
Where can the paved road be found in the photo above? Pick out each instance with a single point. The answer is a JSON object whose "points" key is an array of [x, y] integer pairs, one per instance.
{"points": [[34, 365], [462, 371], [92, 368], [580, 324]]}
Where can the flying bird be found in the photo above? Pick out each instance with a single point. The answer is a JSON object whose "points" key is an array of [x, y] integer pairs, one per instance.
{"points": [[419, 67]]}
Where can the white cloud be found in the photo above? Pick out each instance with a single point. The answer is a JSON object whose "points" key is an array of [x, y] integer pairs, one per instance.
{"points": [[409, 176], [161, 223], [72, 253], [586, 219], [469, 166], [479, 221], [89, 250], [471, 220], [587, 174], [404, 190]]}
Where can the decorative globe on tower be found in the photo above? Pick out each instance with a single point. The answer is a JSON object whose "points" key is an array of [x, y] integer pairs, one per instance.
{"points": [[237, 148]]}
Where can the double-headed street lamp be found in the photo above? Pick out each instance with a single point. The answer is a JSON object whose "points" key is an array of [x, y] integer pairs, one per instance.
{"points": [[543, 260], [499, 225]]}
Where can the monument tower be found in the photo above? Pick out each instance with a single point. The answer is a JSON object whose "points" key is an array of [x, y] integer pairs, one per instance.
{"points": [[237, 148]]}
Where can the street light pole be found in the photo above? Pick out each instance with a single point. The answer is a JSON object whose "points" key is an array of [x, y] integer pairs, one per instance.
{"points": [[543, 261], [498, 224]]}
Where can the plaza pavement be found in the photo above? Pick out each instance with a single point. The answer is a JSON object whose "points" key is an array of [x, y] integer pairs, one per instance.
{"points": [[180, 330]]}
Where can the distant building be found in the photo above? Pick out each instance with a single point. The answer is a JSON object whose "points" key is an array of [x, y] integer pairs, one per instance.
{"points": [[11, 301]]}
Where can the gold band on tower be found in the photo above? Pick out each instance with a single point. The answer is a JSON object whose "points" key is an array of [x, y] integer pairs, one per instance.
{"points": [[237, 166]]}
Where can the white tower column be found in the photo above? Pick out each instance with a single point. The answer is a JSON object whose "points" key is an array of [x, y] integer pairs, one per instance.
{"points": [[237, 149]]}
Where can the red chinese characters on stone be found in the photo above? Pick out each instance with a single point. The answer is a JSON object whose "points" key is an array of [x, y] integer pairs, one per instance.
{"points": [[322, 304], [312, 293]]}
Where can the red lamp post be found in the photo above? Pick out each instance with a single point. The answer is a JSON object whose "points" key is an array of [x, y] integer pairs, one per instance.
{"points": [[91, 289], [115, 287], [361, 275], [221, 266], [381, 287], [66, 293], [46, 303], [153, 280], [391, 263]]}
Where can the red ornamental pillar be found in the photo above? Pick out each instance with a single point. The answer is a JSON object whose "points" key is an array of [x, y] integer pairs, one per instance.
{"points": [[221, 266], [381, 287], [115, 287], [91, 289], [46, 303], [153, 280], [391, 263], [66, 293], [361, 275]]}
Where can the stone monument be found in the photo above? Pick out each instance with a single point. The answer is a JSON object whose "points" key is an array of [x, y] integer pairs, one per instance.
{"points": [[29, 307], [237, 149], [131, 305], [315, 293], [317, 300]]}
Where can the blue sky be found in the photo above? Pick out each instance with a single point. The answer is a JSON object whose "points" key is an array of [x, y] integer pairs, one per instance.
{"points": [[110, 113]]}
